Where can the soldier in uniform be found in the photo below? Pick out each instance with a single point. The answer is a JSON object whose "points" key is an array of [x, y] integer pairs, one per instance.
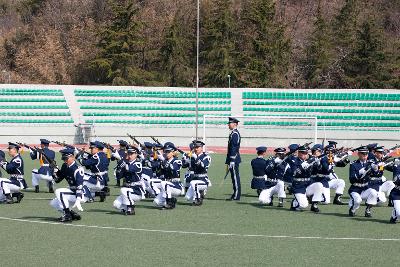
{"points": [[186, 163], [120, 157], [97, 162], [359, 179], [377, 180], [76, 193], [200, 162], [300, 170], [233, 157], [171, 185], [322, 173], [132, 190], [45, 171], [274, 172], [395, 192], [11, 188], [258, 165]]}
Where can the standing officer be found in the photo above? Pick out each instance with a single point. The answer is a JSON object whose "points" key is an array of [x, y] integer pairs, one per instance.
{"points": [[233, 157]]}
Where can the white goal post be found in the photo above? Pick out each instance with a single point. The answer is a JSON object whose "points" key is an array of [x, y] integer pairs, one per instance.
{"points": [[260, 126]]}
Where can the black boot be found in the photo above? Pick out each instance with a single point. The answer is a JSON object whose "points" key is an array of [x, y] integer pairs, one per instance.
{"points": [[258, 192], [106, 189], [368, 211], [202, 194], [51, 189], [9, 199], [198, 202], [309, 198], [170, 204], [66, 217], [75, 216], [390, 201], [314, 207], [101, 195], [130, 210], [280, 204], [393, 220], [337, 200], [352, 213], [36, 189], [19, 196], [118, 183]]}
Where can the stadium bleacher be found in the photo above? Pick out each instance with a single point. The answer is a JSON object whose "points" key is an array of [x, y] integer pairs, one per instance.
{"points": [[157, 107], [350, 110], [23, 105]]}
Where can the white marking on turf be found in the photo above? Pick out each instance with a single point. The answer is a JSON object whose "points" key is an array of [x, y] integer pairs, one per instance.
{"points": [[201, 233]]}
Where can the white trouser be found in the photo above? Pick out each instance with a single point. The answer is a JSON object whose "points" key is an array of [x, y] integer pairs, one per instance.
{"points": [[370, 195], [146, 182], [154, 187], [7, 187], [195, 187], [266, 194], [93, 188], [64, 199], [384, 190], [168, 190], [396, 209], [338, 185], [127, 198], [36, 177], [315, 190]]}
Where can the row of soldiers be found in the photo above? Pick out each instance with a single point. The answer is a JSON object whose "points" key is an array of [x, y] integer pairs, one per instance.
{"points": [[143, 170], [309, 174]]}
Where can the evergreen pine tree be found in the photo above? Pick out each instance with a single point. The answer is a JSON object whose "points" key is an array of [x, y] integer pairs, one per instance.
{"points": [[317, 59], [364, 66], [218, 45], [265, 55], [176, 53], [119, 43]]}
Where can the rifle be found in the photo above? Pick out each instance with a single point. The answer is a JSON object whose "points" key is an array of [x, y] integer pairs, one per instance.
{"points": [[52, 163], [110, 147], [287, 155], [63, 144], [81, 151], [135, 140], [158, 142], [27, 146], [393, 149]]}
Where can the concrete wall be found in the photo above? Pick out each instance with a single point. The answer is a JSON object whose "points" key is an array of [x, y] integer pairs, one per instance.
{"points": [[216, 136]]}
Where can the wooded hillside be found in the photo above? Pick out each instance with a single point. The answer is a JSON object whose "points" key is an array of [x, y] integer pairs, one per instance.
{"points": [[259, 43]]}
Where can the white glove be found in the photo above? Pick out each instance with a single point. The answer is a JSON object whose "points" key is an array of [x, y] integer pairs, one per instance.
{"points": [[76, 151], [361, 171], [194, 155], [384, 179], [317, 161], [375, 167], [305, 165], [336, 159], [232, 165], [161, 157], [78, 204], [350, 153], [116, 155], [278, 160], [380, 164], [396, 161]]}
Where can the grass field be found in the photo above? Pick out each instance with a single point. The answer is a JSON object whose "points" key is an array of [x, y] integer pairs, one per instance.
{"points": [[219, 233]]}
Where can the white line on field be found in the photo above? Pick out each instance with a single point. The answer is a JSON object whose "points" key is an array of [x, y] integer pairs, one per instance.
{"points": [[201, 233]]}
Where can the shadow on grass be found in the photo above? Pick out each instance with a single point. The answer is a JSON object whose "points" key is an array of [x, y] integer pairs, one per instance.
{"points": [[261, 206], [374, 220], [104, 211]]}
